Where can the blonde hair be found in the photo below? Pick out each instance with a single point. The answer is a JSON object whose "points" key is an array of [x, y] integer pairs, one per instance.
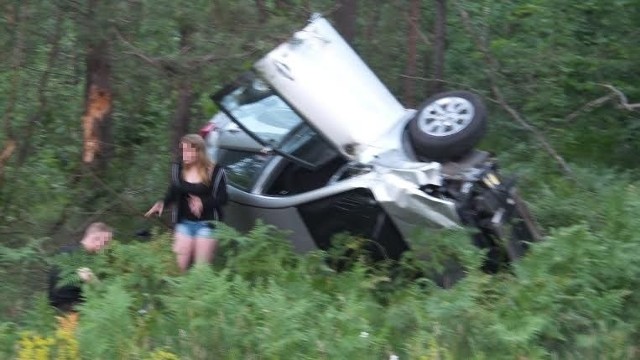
{"points": [[203, 164], [97, 227]]}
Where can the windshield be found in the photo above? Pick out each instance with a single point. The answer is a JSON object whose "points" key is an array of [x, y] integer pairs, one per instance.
{"points": [[264, 115]]}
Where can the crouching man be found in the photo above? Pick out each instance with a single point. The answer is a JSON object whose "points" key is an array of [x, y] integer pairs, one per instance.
{"points": [[65, 297]]}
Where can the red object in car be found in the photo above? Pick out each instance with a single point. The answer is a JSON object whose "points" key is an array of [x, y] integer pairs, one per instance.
{"points": [[205, 130]]}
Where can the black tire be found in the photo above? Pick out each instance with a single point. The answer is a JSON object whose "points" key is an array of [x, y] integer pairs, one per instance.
{"points": [[448, 125]]}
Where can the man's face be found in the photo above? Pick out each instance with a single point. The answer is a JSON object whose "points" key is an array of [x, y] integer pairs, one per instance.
{"points": [[96, 241]]}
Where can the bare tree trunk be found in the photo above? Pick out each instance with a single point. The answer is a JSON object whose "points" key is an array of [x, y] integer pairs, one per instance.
{"points": [[372, 23], [412, 53], [178, 70], [5, 155], [15, 19], [283, 4], [439, 46], [182, 117], [96, 121], [263, 14], [41, 106], [345, 19]]}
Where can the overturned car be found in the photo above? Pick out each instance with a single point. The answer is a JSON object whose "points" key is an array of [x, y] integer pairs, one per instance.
{"points": [[314, 143]]}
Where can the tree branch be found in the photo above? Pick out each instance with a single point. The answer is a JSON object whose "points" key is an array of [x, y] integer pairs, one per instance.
{"points": [[491, 73], [589, 106], [453, 83], [135, 51], [171, 64], [624, 103]]}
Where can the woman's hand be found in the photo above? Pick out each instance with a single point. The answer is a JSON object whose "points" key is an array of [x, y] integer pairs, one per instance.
{"points": [[156, 208], [195, 204]]}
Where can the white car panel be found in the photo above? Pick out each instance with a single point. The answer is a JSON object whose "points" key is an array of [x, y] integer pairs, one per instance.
{"points": [[356, 109]]}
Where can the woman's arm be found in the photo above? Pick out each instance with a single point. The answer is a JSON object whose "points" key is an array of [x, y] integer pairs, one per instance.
{"points": [[170, 196], [218, 195]]}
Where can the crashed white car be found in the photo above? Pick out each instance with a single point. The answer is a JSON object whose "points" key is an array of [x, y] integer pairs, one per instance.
{"points": [[319, 146]]}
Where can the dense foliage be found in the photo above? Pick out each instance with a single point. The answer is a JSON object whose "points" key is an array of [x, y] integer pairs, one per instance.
{"points": [[571, 297], [566, 67]]}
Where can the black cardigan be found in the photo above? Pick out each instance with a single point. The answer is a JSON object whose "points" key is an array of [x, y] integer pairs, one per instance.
{"points": [[213, 196]]}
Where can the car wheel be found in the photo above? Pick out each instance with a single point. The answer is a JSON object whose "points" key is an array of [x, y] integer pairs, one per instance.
{"points": [[448, 125]]}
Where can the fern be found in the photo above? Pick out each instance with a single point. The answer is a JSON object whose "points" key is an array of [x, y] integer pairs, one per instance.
{"points": [[107, 328]]}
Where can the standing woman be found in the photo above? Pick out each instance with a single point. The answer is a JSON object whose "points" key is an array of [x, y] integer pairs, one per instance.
{"points": [[198, 190]]}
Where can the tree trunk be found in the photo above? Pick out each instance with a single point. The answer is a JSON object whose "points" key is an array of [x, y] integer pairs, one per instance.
{"points": [[263, 14], [182, 118], [440, 33], [372, 24], [345, 19], [96, 121], [283, 4], [41, 106], [5, 154], [14, 19], [412, 53], [98, 100]]}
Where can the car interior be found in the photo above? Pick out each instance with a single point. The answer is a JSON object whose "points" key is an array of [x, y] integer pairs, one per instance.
{"points": [[295, 178]]}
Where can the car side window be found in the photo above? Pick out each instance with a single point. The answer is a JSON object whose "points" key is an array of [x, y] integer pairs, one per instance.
{"points": [[243, 167]]}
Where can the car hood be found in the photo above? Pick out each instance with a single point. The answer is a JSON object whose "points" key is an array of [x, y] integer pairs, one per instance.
{"points": [[323, 78]]}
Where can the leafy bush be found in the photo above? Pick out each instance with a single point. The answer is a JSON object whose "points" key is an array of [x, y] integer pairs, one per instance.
{"points": [[572, 296]]}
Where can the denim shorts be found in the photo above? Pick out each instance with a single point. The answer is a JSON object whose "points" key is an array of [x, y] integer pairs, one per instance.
{"points": [[199, 229]]}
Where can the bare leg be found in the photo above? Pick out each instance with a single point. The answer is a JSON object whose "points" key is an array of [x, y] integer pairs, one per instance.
{"points": [[183, 247], [205, 248]]}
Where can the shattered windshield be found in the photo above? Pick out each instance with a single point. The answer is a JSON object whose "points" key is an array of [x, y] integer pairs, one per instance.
{"points": [[262, 113]]}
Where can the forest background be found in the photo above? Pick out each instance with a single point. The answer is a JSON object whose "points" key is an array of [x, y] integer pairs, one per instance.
{"points": [[95, 95]]}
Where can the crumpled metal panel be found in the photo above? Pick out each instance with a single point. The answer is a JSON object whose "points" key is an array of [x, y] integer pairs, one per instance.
{"points": [[398, 192], [416, 173]]}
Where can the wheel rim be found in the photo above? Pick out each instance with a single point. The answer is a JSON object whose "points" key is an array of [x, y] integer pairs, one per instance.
{"points": [[446, 116]]}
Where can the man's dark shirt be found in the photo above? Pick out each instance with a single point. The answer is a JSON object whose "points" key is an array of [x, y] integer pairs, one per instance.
{"points": [[63, 297]]}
